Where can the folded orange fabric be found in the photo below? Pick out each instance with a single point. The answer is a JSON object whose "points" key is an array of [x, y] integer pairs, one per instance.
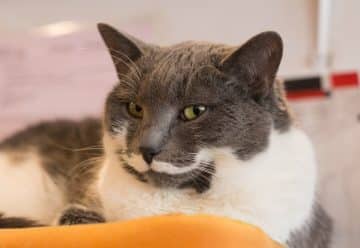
{"points": [[175, 231]]}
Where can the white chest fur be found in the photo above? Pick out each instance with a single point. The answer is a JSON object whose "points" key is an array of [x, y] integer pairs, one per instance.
{"points": [[274, 190]]}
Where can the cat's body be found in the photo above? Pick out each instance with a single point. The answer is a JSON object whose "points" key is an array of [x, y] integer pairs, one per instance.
{"points": [[193, 128], [46, 167]]}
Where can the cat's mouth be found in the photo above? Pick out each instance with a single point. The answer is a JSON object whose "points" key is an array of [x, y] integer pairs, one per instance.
{"points": [[198, 177], [196, 173]]}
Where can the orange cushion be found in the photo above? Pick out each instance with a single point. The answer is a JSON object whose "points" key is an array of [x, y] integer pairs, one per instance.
{"points": [[176, 231]]}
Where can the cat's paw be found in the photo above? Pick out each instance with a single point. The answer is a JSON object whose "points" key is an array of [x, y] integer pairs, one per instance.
{"points": [[79, 215]]}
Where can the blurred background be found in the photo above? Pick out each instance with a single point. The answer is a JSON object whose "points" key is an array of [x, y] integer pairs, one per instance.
{"points": [[54, 65]]}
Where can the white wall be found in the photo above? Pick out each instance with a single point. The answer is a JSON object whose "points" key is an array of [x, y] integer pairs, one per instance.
{"points": [[230, 21], [235, 21], [345, 42]]}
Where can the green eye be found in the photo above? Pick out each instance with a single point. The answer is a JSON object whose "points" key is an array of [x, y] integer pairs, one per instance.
{"points": [[135, 110], [192, 112]]}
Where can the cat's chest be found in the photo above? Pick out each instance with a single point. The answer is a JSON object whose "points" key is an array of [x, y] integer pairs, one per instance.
{"points": [[124, 197], [274, 191]]}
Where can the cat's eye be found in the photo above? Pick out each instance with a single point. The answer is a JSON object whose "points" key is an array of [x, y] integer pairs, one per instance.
{"points": [[192, 112], [135, 110]]}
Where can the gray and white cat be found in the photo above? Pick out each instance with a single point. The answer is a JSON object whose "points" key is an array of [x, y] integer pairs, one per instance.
{"points": [[191, 128]]}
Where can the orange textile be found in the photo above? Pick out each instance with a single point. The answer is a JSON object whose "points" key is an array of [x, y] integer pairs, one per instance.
{"points": [[169, 231]]}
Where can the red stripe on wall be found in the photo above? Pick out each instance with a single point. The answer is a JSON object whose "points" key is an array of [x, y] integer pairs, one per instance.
{"points": [[349, 79], [305, 94]]}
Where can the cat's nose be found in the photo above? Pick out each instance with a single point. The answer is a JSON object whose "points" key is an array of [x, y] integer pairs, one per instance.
{"points": [[148, 153]]}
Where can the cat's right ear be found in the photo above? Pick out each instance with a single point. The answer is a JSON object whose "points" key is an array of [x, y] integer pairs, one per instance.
{"points": [[124, 49], [256, 62]]}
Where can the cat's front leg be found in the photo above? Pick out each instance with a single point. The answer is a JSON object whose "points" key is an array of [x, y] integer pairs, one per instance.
{"points": [[75, 214]]}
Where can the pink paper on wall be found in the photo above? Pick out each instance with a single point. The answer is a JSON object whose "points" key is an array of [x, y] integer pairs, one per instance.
{"points": [[47, 78]]}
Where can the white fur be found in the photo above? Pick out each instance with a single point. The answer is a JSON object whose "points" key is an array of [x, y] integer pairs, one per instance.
{"points": [[274, 190], [138, 162], [121, 133], [26, 190], [163, 167]]}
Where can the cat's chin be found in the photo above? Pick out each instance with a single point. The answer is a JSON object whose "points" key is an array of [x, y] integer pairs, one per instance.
{"points": [[164, 180], [197, 175], [198, 178]]}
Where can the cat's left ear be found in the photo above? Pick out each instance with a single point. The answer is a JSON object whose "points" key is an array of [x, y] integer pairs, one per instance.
{"points": [[124, 49], [256, 62]]}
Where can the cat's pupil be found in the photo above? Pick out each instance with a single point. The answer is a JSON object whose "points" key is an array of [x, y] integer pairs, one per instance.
{"points": [[138, 108], [197, 110]]}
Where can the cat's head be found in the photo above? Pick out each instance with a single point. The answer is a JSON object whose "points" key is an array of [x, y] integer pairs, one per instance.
{"points": [[175, 106]]}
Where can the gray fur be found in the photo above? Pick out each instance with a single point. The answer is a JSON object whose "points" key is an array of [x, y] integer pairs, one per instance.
{"points": [[16, 222], [237, 85], [71, 153], [316, 233], [74, 215]]}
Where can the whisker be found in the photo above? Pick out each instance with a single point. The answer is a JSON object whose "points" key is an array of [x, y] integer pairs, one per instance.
{"points": [[137, 69], [131, 69], [123, 76], [80, 167], [127, 81], [208, 171], [134, 65], [86, 148]]}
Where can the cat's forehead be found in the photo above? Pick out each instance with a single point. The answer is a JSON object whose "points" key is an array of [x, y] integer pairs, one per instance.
{"points": [[178, 74], [187, 57], [170, 71]]}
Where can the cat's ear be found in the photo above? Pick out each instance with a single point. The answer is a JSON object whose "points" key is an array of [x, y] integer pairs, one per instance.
{"points": [[256, 62], [123, 48]]}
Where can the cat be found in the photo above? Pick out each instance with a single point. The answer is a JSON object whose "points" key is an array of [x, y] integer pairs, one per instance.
{"points": [[190, 128]]}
